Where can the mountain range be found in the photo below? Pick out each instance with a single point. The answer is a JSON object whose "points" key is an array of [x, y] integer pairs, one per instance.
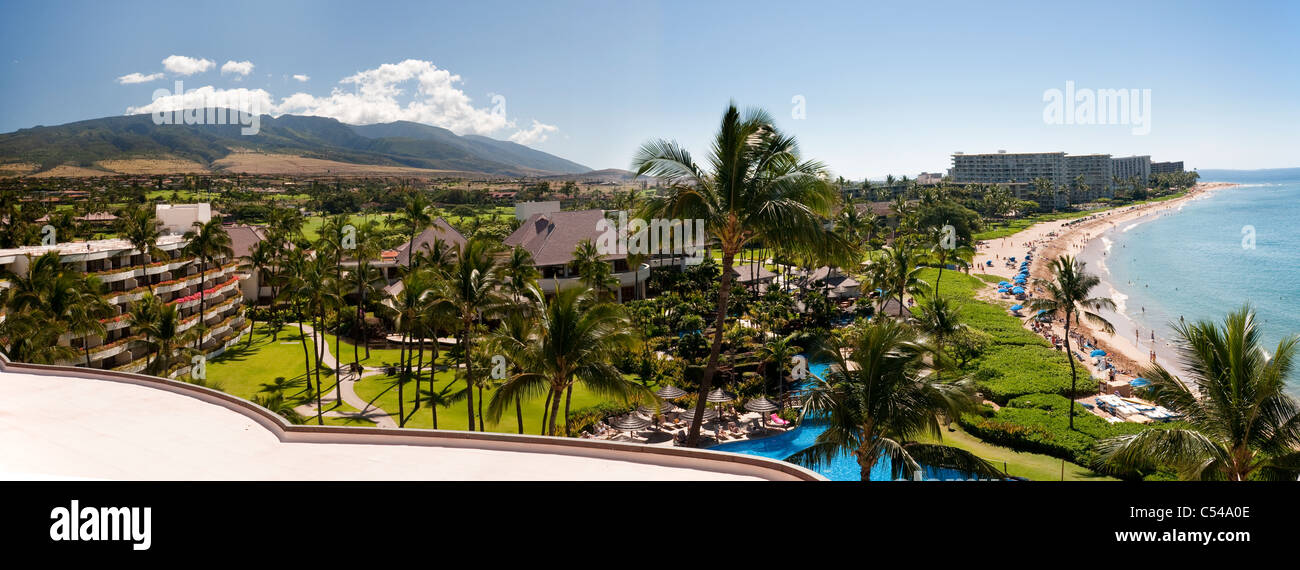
{"points": [[90, 144]]}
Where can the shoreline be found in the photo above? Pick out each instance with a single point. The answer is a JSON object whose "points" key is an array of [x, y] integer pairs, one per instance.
{"points": [[1089, 239]]}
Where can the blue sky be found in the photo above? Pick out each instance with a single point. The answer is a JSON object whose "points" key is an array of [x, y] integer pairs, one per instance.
{"points": [[888, 88]]}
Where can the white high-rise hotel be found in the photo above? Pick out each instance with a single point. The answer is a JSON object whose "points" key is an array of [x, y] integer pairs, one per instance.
{"points": [[1017, 171]]}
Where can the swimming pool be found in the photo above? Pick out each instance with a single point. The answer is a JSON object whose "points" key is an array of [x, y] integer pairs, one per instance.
{"points": [[843, 468]]}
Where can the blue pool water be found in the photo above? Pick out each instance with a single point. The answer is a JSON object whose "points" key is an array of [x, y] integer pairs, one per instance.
{"points": [[843, 468]]}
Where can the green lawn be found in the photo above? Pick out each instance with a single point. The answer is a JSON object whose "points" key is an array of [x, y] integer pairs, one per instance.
{"points": [[311, 227], [243, 368], [382, 390], [1033, 466]]}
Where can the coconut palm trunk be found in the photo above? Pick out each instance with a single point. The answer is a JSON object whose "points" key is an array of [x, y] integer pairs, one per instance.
{"points": [[719, 325]]}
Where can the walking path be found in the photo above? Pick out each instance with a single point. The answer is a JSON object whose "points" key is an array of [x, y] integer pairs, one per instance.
{"points": [[347, 383]]}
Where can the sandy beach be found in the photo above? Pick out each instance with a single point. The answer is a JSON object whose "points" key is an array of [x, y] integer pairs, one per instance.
{"points": [[1129, 349]]}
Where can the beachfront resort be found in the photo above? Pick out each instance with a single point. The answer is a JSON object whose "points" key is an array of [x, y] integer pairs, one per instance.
{"points": [[492, 326]]}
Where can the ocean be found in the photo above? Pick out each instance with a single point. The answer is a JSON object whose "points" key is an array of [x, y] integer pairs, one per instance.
{"points": [[1234, 246]]}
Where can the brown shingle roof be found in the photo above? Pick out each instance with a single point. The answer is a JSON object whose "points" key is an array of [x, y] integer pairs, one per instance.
{"points": [[439, 230], [552, 237], [243, 238]]}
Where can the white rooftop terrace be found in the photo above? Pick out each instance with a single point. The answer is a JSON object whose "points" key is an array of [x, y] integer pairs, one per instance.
{"points": [[83, 247], [70, 423]]}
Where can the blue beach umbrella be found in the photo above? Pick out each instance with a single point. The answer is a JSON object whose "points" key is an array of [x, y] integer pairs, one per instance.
{"points": [[1098, 352], [1016, 307], [1018, 290], [1139, 382], [1003, 283]]}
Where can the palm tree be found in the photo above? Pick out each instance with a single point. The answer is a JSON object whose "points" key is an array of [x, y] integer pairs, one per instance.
{"points": [[519, 272], [901, 272], [593, 270], [516, 328], [778, 352], [468, 292], [757, 188], [1241, 424], [408, 308], [575, 341], [207, 241], [1067, 294], [262, 257], [879, 400], [960, 253], [164, 338], [364, 275], [144, 316], [940, 319], [411, 220], [140, 226]]}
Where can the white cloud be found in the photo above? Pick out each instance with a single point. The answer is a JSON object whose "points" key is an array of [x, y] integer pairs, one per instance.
{"points": [[183, 65], [248, 100], [412, 90], [240, 67], [376, 97], [132, 78], [534, 134]]}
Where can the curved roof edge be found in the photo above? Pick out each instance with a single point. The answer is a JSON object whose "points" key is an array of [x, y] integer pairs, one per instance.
{"points": [[700, 459]]}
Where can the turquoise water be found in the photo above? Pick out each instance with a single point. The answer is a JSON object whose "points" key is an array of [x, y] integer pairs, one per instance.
{"points": [[843, 468], [1194, 263]]}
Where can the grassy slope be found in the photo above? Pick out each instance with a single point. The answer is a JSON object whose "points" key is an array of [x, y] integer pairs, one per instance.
{"points": [[1033, 466]]}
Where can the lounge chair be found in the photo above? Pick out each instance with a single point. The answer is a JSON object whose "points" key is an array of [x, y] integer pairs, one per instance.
{"points": [[776, 420]]}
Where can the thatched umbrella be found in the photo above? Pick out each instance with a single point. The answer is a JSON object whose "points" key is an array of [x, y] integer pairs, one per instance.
{"points": [[629, 423], [720, 396], [670, 392], [762, 405]]}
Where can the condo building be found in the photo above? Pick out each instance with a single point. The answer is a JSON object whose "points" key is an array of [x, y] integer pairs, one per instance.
{"points": [[1129, 167], [1017, 171], [1166, 167], [1088, 177], [127, 275]]}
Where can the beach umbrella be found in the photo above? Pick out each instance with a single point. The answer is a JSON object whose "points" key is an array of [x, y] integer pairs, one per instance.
{"points": [[1139, 382], [1041, 311], [629, 423], [1016, 307], [762, 405], [669, 392], [720, 396], [1018, 290], [1098, 352], [662, 408], [1004, 283]]}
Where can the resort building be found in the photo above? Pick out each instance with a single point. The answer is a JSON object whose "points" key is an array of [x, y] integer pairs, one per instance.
{"points": [[1014, 171], [1094, 171], [1017, 171], [1166, 167], [392, 261], [1128, 167], [551, 238], [127, 275], [929, 178]]}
